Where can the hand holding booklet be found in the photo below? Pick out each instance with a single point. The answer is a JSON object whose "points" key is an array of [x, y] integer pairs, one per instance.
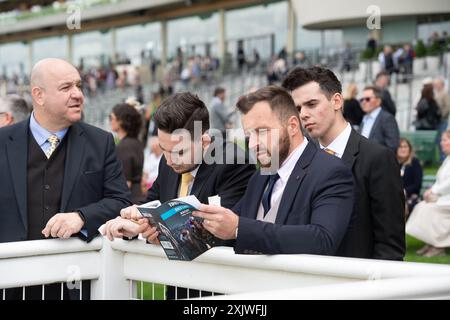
{"points": [[182, 236]]}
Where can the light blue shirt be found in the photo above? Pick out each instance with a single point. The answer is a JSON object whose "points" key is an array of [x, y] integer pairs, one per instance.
{"points": [[41, 134], [368, 122]]}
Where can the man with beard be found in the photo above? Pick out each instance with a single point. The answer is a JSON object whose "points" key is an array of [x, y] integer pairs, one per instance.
{"points": [[302, 205]]}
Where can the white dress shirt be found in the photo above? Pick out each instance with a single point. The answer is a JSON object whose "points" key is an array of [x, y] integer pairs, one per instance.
{"points": [[340, 142], [285, 172], [368, 122]]}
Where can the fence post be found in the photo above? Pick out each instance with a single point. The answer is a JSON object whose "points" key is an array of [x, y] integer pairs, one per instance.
{"points": [[112, 284]]}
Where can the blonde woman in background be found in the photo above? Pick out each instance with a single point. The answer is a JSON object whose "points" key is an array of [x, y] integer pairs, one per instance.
{"points": [[352, 109]]}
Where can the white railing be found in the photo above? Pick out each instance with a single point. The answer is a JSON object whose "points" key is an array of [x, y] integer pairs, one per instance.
{"points": [[114, 267]]}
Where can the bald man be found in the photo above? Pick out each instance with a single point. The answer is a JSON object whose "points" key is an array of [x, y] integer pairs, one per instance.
{"points": [[60, 177]]}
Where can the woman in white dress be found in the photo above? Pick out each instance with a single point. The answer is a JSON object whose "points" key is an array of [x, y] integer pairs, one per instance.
{"points": [[430, 219]]}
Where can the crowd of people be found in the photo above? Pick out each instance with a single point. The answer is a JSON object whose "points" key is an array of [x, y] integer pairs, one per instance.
{"points": [[340, 152]]}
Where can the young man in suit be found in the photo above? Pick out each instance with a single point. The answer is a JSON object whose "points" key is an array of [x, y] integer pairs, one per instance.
{"points": [[301, 199], [193, 163], [377, 226], [377, 124], [60, 177]]}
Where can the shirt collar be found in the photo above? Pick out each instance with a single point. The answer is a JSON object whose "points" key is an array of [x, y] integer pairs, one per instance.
{"points": [[41, 134], [194, 172], [340, 142], [288, 165], [374, 114]]}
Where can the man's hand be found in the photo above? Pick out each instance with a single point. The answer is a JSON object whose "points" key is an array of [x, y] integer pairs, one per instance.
{"points": [[63, 225], [131, 213], [120, 227], [151, 235], [220, 221]]}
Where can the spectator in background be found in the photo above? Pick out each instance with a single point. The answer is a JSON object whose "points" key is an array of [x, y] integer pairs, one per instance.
{"points": [[352, 109], [377, 124], [220, 116], [300, 60], [126, 121], [347, 58], [382, 80], [241, 61], [386, 59], [442, 99], [429, 222], [428, 113], [406, 63], [411, 172], [13, 109]]}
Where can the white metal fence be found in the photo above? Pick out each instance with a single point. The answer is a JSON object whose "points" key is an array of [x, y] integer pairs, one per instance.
{"points": [[116, 270]]}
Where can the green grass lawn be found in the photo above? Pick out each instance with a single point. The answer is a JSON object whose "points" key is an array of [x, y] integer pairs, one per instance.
{"points": [[412, 245]]}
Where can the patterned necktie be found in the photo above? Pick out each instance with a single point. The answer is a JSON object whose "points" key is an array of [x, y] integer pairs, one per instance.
{"points": [[268, 193], [186, 179], [329, 151], [53, 139]]}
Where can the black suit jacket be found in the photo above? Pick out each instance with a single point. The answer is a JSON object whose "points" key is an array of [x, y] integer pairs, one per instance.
{"points": [[93, 180], [377, 229], [229, 181], [314, 211], [385, 130]]}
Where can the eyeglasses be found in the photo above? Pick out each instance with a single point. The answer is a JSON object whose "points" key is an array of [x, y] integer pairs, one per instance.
{"points": [[367, 99]]}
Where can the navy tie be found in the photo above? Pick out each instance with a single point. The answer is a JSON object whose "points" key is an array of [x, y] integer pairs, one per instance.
{"points": [[268, 193]]}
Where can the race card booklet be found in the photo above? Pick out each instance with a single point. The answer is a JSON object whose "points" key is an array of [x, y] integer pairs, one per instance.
{"points": [[182, 236]]}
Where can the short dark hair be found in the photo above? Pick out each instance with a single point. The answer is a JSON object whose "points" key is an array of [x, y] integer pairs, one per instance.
{"points": [[279, 99], [218, 90], [129, 118], [180, 111], [327, 80], [381, 74], [377, 92]]}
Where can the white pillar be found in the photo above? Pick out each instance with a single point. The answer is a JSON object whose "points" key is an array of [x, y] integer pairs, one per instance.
{"points": [[112, 284], [30, 53], [222, 35], [164, 44], [292, 29], [70, 48], [114, 44]]}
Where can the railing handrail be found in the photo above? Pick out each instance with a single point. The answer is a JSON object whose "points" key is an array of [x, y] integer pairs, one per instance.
{"points": [[354, 268], [47, 247]]}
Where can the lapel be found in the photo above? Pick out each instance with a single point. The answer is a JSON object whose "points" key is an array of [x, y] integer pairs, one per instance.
{"points": [[257, 190], [201, 177], [294, 182], [17, 153], [376, 124], [352, 149], [74, 156]]}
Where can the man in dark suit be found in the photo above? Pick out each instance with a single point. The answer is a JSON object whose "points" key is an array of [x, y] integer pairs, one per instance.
{"points": [[196, 165], [301, 199], [382, 81], [378, 125], [377, 225], [59, 177]]}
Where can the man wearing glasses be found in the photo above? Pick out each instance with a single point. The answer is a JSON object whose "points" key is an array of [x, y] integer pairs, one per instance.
{"points": [[378, 125]]}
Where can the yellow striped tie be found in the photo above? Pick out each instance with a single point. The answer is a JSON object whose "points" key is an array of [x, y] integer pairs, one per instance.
{"points": [[186, 179], [53, 139], [329, 151]]}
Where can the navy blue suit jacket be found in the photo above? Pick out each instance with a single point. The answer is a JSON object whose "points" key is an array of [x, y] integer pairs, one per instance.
{"points": [[314, 211], [93, 180]]}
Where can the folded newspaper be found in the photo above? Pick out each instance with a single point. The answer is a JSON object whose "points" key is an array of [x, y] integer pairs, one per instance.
{"points": [[182, 236]]}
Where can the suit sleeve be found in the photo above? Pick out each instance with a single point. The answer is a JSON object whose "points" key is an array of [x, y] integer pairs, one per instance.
{"points": [[391, 133], [331, 208], [387, 206], [116, 194]]}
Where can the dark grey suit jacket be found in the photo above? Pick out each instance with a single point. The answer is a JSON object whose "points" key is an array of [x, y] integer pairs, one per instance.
{"points": [[385, 130]]}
